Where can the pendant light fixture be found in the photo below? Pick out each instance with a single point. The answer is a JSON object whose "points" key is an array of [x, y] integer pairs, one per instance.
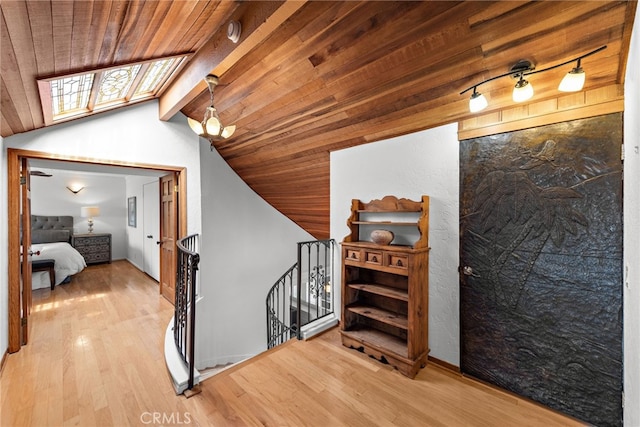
{"points": [[523, 90], [477, 102], [574, 80], [211, 128]]}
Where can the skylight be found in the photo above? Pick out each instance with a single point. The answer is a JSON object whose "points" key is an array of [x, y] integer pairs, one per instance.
{"points": [[78, 95]]}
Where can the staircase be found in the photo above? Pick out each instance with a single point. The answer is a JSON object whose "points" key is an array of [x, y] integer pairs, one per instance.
{"points": [[301, 303]]}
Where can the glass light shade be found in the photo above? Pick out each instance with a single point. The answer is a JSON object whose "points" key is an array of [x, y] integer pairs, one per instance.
{"points": [[89, 211], [213, 126], [477, 102], [228, 131], [195, 126], [573, 81], [522, 91]]}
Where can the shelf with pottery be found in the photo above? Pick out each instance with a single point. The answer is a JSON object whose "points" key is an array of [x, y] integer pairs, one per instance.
{"points": [[385, 292]]}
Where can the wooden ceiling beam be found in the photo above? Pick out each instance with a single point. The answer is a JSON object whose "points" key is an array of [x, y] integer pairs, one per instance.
{"points": [[259, 20]]}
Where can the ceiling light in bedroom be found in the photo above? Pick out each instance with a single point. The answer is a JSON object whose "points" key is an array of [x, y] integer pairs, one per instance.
{"points": [[90, 212], [75, 188], [211, 127]]}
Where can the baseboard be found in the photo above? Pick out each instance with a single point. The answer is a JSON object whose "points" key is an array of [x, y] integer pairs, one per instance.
{"points": [[3, 361], [445, 365]]}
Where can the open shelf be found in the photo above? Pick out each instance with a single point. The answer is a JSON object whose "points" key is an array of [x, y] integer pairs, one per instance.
{"points": [[380, 340], [384, 316], [385, 291]]}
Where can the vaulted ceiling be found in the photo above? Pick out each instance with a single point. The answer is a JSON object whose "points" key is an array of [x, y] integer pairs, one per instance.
{"points": [[309, 77]]}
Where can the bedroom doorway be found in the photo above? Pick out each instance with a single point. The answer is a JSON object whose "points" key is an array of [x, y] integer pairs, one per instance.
{"points": [[14, 159]]}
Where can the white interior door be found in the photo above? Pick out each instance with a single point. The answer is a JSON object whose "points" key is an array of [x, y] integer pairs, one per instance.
{"points": [[151, 212]]}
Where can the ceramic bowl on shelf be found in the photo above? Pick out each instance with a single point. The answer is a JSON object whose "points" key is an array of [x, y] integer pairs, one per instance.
{"points": [[381, 237]]}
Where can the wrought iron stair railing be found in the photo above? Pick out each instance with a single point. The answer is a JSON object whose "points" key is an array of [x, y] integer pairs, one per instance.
{"points": [[185, 302], [302, 295]]}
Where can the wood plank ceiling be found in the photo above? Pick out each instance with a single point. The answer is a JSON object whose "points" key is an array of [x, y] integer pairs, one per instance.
{"points": [[310, 77]]}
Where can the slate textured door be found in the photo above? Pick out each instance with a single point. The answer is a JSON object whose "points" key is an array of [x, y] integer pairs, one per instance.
{"points": [[541, 265]]}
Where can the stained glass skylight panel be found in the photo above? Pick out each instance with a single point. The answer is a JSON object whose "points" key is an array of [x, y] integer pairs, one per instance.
{"points": [[71, 94], [155, 75], [115, 84]]}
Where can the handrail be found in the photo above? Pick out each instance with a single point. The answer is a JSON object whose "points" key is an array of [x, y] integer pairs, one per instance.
{"points": [[184, 319], [279, 326], [295, 302]]}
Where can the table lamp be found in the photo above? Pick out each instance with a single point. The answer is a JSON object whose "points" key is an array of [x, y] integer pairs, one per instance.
{"points": [[90, 212]]}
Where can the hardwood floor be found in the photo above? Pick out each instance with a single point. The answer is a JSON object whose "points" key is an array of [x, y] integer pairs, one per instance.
{"points": [[96, 358]]}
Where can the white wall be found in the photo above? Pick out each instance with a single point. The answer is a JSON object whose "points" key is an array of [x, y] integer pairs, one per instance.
{"points": [[410, 166], [246, 246], [631, 242], [49, 196], [132, 134]]}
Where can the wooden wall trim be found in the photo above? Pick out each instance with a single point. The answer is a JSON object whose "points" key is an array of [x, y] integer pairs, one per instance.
{"points": [[445, 365], [595, 102]]}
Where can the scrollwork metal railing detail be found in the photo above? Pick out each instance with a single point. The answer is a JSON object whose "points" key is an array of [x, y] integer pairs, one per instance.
{"points": [[185, 307]]}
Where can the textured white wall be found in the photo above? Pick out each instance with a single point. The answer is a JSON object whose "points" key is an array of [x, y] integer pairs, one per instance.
{"points": [[410, 166], [632, 232], [246, 246]]}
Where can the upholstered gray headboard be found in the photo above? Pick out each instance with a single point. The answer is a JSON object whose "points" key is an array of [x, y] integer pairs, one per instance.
{"points": [[49, 228]]}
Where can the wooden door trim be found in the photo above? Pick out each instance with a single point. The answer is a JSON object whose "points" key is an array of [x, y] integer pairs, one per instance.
{"points": [[13, 204]]}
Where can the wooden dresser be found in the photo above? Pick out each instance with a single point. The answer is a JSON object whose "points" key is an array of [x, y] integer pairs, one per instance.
{"points": [[94, 247], [385, 288]]}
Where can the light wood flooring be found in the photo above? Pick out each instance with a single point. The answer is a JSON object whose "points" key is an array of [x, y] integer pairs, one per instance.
{"points": [[96, 358]]}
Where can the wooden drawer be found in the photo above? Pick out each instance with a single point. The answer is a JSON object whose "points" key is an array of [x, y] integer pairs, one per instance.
{"points": [[399, 261], [353, 254], [373, 257]]}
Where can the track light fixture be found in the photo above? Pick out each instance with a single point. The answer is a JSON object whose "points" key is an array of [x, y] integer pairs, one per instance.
{"points": [[211, 127], [523, 90]]}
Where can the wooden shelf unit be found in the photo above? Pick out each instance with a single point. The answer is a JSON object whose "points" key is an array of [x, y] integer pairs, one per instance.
{"points": [[385, 290]]}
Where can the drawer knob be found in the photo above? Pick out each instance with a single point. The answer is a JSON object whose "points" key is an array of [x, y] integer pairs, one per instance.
{"points": [[374, 259], [353, 255], [399, 263]]}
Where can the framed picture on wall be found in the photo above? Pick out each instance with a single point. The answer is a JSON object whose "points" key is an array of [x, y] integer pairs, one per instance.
{"points": [[131, 211]]}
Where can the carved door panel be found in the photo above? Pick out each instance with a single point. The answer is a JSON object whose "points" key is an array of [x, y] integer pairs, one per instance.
{"points": [[168, 236], [541, 264]]}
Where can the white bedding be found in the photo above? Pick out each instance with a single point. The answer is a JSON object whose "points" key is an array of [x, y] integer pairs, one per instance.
{"points": [[68, 262]]}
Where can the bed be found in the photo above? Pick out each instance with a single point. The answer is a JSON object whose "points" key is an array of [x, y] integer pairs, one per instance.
{"points": [[50, 239]]}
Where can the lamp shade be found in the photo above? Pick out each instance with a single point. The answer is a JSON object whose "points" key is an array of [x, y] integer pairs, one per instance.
{"points": [[522, 91], [478, 102], [89, 211], [573, 81]]}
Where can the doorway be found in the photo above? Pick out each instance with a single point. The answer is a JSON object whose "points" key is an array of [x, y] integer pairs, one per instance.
{"points": [[14, 157], [541, 258]]}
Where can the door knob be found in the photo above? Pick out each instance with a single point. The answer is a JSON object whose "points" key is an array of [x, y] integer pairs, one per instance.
{"points": [[468, 271], [149, 236], [158, 242]]}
